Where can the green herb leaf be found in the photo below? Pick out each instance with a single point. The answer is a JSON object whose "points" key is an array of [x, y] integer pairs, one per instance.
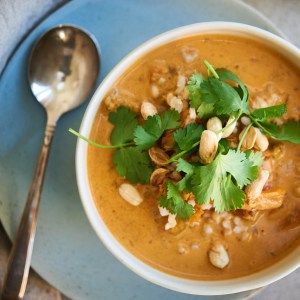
{"points": [[289, 131], [270, 112], [256, 158], [225, 74], [223, 146], [174, 202], [147, 136], [239, 166], [205, 110], [233, 196], [170, 119], [222, 95], [135, 165], [125, 122], [194, 89], [210, 181], [184, 166], [186, 137]]}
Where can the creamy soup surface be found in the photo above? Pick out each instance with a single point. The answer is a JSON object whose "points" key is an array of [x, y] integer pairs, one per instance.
{"points": [[253, 240]]}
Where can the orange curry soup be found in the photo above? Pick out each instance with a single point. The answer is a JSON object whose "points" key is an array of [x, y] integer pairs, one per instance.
{"points": [[253, 239]]}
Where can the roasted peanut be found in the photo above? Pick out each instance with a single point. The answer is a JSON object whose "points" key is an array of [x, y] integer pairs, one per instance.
{"points": [[148, 110], [250, 138], [218, 256], [154, 91], [158, 176], [129, 193], [158, 156], [208, 146], [189, 116], [245, 120], [180, 84], [228, 131], [261, 142], [163, 211], [175, 103], [171, 222], [214, 124], [254, 189]]}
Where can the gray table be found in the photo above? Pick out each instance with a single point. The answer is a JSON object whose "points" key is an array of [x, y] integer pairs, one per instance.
{"points": [[283, 13]]}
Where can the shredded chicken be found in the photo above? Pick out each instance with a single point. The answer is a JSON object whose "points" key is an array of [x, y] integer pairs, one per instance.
{"points": [[267, 200]]}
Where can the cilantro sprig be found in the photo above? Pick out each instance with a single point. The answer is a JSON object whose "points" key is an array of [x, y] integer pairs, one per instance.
{"points": [[222, 180], [147, 135], [174, 202], [131, 141], [221, 94]]}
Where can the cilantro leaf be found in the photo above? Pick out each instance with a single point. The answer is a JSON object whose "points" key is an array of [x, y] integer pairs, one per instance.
{"points": [[209, 181], [237, 164], [270, 112], [135, 165], [256, 158], [223, 146], [288, 132], [233, 197], [184, 166], [222, 95], [205, 110], [225, 74], [170, 119], [194, 89], [147, 136], [174, 202], [186, 137], [125, 122]]}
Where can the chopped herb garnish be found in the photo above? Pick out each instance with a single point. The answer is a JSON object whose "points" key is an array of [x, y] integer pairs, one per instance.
{"points": [[125, 122], [185, 183], [269, 112], [147, 136], [133, 164], [186, 137], [174, 202], [221, 94], [233, 171]]}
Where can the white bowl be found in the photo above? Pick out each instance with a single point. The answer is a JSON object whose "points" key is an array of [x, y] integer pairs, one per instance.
{"points": [[256, 280]]}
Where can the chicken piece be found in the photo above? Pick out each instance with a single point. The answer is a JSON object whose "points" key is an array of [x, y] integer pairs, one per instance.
{"points": [[267, 200]]}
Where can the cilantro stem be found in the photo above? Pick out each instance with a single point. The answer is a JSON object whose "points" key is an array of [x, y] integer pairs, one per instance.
{"points": [[96, 144], [178, 155], [259, 125], [211, 69], [227, 126], [243, 136]]}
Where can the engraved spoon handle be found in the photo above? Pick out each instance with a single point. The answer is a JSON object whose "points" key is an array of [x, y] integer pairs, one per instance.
{"points": [[20, 257]]}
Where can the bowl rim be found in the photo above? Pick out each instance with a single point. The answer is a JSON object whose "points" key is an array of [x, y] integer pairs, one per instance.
{"points": [[198, 287]]}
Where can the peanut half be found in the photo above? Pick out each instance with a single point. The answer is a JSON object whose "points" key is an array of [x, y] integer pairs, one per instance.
{"points": [[130, 194], [208, 146], [148, 110]]}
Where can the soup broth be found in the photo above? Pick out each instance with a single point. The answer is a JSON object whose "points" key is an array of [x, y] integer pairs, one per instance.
{"points": [[254, 240]]}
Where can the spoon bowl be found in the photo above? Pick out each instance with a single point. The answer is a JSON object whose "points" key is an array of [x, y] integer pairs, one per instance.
{"points": [[63, 69]]}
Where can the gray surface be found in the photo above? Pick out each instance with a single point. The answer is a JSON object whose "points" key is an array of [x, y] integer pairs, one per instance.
{"points": [[18, 16]]}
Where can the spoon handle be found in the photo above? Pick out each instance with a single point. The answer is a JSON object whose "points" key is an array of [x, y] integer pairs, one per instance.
{"points": [[16, 277]]}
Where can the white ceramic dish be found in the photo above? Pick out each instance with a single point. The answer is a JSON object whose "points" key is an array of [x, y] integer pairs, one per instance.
{"points": [[259, 279]]}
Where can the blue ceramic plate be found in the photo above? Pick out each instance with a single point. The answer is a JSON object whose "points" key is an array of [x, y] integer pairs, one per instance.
{"points": [[67, 253]]}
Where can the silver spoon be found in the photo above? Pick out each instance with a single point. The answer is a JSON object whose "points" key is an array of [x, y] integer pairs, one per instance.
{"points": [[63, 68]]}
